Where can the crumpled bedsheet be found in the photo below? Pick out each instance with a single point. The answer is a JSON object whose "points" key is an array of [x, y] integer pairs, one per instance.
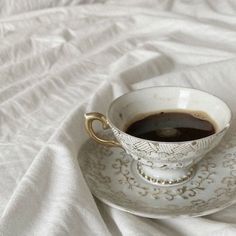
{"points": [[60, 59]]}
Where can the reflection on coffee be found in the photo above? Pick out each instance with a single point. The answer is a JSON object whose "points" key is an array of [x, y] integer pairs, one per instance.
{"points": [[172, 126]]}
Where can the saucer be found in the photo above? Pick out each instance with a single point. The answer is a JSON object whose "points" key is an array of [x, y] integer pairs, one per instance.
{"points": [[112, 177]]}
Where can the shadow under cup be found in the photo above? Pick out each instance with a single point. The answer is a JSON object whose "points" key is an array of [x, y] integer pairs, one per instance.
{"points": [[166, 163]]}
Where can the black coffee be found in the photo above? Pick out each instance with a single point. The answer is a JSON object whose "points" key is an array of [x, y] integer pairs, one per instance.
{"points": [[171, 127]]}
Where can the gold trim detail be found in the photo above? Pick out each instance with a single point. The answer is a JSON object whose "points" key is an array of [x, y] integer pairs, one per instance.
{"points": [[156, 181], [92, 116]]}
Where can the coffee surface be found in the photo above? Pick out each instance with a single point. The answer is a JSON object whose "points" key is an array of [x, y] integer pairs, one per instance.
{"points": [[171, 127]]}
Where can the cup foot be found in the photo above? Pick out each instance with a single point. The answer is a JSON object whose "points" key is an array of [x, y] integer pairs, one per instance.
{"points": [[167, 177]]}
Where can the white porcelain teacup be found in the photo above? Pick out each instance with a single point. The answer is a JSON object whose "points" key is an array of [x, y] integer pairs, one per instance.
{"points": [[162, 163]]}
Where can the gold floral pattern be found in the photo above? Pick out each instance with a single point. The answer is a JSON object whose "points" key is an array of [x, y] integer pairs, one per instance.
{"points": [[111, 176], [172, 155]]}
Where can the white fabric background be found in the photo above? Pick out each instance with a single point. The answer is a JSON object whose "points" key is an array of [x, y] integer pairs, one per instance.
{"points": [[59, 59]]}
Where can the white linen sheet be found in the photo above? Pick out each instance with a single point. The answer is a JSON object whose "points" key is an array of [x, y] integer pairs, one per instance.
{"points": [[60, 59]]}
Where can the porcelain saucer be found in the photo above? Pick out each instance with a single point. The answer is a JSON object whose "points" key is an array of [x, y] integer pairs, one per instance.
{"points": [[112, 177]]}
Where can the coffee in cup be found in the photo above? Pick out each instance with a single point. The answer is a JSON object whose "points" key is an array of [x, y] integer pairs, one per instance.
{"points": [[166, 130], [172, 126]]}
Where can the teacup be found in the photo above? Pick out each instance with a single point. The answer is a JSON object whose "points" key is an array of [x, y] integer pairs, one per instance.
{"points": [[162, 163]]}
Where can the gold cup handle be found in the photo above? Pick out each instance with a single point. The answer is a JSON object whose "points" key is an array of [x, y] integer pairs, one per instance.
{"points": [[89, 118]]}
